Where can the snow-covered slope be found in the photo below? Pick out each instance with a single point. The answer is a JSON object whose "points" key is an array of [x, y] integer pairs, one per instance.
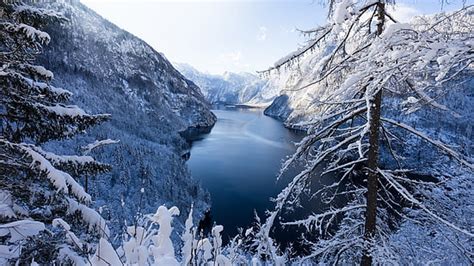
{"points": [[292, 104], [111, 71], [231, 88]]}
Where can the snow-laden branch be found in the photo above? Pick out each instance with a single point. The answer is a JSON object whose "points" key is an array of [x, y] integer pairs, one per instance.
{"points": [[96, 144], [298, 53], [21, 229], [29, 32], [408, 196], [443, 147], [61, 180], [57, 159], [92, 218], [317, 219]]}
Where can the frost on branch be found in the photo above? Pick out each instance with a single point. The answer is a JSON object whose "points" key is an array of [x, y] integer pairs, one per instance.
{"points": [[150, 243], [346, 68]]}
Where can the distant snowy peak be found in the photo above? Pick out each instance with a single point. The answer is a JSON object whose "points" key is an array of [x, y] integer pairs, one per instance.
{"points": [[230, 88]]}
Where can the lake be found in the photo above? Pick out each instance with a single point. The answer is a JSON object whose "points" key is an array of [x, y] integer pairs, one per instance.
{"points": [[238, 161]]}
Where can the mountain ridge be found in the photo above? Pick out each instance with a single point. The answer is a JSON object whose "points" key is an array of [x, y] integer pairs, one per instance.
{"points": [[230, 88], [111, 71]]}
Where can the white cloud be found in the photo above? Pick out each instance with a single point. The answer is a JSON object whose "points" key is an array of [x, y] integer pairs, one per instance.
{"points": [[262, 33], [404, 12]]}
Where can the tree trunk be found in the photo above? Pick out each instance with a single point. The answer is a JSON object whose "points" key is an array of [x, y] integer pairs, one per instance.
{"points": [[86, 184], [373, 154]]}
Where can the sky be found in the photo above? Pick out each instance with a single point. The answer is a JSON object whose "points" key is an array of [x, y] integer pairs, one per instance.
{"points": [[231, 35]]}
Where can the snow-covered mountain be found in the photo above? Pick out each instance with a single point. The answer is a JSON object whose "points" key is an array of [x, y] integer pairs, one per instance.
{"points": [[111, 71], [292, 104], [231, 88]]}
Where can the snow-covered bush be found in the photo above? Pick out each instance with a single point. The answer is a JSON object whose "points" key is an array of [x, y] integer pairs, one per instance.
{"points": [[150, 243]]}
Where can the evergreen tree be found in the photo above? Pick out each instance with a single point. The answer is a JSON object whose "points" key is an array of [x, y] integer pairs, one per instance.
{"points": [[44, 213]]}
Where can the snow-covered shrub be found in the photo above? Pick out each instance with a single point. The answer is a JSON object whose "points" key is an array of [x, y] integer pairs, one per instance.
{"points": [[150, 243]]}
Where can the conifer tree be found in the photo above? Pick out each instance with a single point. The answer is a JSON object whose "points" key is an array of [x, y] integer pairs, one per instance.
{"points": [[44, 212]]}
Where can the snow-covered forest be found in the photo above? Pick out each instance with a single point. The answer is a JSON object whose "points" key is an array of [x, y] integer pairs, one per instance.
{"points": [[95, 126]]}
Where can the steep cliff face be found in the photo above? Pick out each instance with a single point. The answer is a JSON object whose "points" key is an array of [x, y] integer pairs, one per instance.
{"points": [[111, 71], [91, 46], [293, 104]]}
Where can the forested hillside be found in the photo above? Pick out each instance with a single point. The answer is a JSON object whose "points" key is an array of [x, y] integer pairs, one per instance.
{"points": [[111, 71]]}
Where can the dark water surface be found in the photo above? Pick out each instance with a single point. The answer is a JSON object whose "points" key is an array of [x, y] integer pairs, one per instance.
{"points": [[237, 162]]}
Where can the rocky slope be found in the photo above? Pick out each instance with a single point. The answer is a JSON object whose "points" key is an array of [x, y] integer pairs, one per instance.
{"points": [[111, 71]]}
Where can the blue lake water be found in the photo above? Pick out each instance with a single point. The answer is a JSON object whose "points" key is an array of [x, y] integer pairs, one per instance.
{"points": [[238, 161]]}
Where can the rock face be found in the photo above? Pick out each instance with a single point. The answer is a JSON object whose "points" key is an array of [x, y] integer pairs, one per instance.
{"points": [[293, 105], [231, 88], [279, 108], [111, 71]]}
